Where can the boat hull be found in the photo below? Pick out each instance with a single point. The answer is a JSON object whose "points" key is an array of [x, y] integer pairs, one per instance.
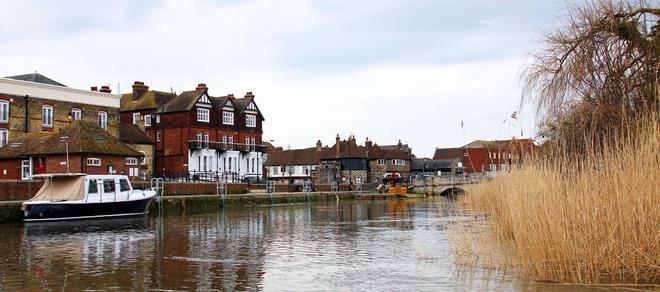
{"points": [[54, 211]]}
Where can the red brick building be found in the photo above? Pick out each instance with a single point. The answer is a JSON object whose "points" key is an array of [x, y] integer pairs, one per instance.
{"points": [[199, 135], [89, 148], [481, 155]]}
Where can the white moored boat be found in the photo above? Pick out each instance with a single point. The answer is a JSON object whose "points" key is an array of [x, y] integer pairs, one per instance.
{"points": [[67, 196]]}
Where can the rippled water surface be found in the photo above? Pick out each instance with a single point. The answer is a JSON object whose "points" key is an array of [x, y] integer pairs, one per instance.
{"points": [[321, 246]]}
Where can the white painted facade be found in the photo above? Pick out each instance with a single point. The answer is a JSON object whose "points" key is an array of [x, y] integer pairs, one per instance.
{"points": [[52, 92], [275, 172], [235, 165]]}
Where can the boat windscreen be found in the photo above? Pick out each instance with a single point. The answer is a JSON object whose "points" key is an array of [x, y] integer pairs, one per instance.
{"points": [[62, 188]]}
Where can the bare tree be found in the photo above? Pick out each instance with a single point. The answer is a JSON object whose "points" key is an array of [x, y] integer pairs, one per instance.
{"points": [[598, 71]]}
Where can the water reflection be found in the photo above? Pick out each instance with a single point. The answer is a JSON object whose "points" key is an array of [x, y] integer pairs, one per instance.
{"points": [[359, 245]]}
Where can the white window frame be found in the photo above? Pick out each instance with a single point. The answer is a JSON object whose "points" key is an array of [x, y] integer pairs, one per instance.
{"points": [[398, 162], [203, 115], [103, 120], [250, 121], [76, 114], [227, 118], [93, 161], [47, 113], [4, 111], [143, 160], [4, 137], [136, 118], [147, 120], [157, 119], [381, 162], [157, 136], [131, 161], [26, 169]]}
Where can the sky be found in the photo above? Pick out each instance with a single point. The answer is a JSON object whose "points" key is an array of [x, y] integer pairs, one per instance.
{"points": [[387, 70]]}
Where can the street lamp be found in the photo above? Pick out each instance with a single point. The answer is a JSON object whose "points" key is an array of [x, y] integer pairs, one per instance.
{"points": [[66, 147]]}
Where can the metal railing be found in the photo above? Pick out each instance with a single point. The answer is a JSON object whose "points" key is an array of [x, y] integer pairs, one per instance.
{"points": [[224, 146]]}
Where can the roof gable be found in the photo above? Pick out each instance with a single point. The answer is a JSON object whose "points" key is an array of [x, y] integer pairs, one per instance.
{"points": [[183, 102]]}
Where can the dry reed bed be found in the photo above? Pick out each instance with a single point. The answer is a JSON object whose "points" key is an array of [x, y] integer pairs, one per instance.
{"points": [[592, 221]]}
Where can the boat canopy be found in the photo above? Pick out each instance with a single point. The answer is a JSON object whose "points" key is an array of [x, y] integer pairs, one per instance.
{"points": [[57, 188]]}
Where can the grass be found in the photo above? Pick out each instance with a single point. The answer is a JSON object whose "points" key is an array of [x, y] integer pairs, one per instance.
{"points": [[591, 220]]}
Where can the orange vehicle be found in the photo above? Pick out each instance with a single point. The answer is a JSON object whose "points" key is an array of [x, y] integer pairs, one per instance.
{"points": [[393, 183]]}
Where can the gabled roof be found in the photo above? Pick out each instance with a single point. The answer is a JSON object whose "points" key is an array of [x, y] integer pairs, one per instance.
{"points": [[132, 134], [348, 149], [241, 105], [182, 102], [36, 77], [307, 156], [149, 100], [83, 137], [379, 152]]}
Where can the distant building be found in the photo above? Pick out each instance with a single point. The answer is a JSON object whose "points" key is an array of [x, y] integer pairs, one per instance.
{"points": [[482, 155], [433, 166], [344, 162], [90, 149]]}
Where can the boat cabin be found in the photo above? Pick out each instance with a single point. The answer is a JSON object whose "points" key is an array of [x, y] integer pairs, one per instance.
{"points": [[82, 187]]}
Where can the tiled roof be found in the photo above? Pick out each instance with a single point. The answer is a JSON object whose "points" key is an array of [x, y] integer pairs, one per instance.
{"points": [[132, 134], [182, 102], [348, 149], [379, 152], [149, 100], [36, 77], [24, 144], [307, 156], [83, 137], [448, 153]]}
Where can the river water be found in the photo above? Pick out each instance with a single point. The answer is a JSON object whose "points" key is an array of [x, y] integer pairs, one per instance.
{"points": [[378, 245]]}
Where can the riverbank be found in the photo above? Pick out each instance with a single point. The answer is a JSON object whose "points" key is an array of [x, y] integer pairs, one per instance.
{"points": [[589, 222], [10, 211]]}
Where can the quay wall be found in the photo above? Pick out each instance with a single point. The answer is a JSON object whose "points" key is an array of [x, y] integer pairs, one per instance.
{"points": [[10, 210]]}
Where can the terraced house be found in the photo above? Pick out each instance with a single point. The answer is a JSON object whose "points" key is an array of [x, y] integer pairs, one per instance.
{"points": [[197, 135]]}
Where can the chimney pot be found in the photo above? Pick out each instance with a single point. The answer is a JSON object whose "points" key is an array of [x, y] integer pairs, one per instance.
{"points": [[105, 89], [201, 86], [94, 88], [319, 146]]}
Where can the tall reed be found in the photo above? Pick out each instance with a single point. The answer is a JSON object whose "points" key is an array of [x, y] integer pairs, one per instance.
{"points": [[593, 219]]}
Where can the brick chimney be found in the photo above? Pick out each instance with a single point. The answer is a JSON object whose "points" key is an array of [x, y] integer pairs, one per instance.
{"points": [[202, 86], [319, 146], [105, 89], [94, 88], [230, 95], [367, 144], [249, 94], [337, 144], [139, 89], [399, 146]]}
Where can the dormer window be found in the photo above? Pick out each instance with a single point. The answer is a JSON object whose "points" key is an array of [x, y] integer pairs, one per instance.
{"points": [[136, 118], [227, 118], [147, 120], [250, 120], [203, 115]]}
